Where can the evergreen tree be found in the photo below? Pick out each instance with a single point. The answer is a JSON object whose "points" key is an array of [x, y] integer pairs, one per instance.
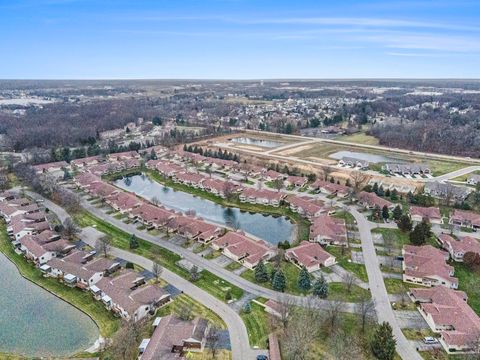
{"points": [[375, 188], [380, 191], [320, 288], [404, 223], [383, 343], [387, 193], [134, 242], [397, 212], [153, 155], [261, 274], [279, 281], [394, 195], [304, 283], [420, 233], [385, 212]]}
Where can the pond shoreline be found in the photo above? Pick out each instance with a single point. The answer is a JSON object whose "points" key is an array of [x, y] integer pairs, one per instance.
{"points": [[253, 209], [92, 346]]}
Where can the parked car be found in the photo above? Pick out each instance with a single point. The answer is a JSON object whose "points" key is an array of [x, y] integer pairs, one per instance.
{"points": [[262, 357], [430, 340]]}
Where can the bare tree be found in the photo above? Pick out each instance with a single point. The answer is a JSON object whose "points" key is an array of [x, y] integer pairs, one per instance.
{"points": [[103, 245], [157, 271], [302, 329], [326, 171], [349, 280], [125, 341], [70, 230], [366, 310], [213, 341], [155, 201], [344, 346], [358, 180], [332, 314], [278, 184], [228, 190]]}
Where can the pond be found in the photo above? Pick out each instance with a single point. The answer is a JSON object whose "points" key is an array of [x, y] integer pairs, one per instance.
{"points": [[35, 323], [373, 158], [267, 227], [257, 142]]}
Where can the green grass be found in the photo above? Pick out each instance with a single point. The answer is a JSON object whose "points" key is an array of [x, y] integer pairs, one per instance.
{"points": [[217, 286], [213, 255], [84, 301], [417, 334], [233, 266], [359, 138], [338, 291], [257, 325], [291, 274], [164, 257], [196, 308], [400, 238], [358, 269], [468, 281], [397, 286]]}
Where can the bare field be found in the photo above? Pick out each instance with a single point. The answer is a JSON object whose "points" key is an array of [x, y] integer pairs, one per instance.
{"points": [[360, 138]]}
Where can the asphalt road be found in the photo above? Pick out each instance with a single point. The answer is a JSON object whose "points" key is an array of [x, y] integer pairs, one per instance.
{"points": [[378, 290], [238, 333]]}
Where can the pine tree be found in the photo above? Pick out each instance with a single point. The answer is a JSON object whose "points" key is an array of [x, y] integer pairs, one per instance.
{"points": [[385, 212], [133, 242], [320, 288], [380, 191], [383, 343], [375, 188], [279, 281], [261, 274], [387, 193], [397, 212], [304, 283], [394, 195], [405, 224]]}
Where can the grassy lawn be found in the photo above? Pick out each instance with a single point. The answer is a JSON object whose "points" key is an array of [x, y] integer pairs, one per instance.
{"points": [[469, 282], [233, 266], [397, 286], [217, 286], [197, 309], [84, 301], [156, 253], [400, 238], [207, 355], [257, 325], [349, 324], [358, 269], [338, 291], [359, 138], [291, 274], [213, 255], [417, 334]]}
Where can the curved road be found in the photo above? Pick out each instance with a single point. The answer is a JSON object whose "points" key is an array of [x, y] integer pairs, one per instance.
{"points": [[238, 333], [204, 263]]}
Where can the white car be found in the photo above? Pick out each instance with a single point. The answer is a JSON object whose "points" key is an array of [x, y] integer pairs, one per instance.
{"points": [[430, 340]]}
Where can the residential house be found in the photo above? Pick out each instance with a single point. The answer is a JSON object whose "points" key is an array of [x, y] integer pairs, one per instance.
{"points": [[473, 179], [330, 188], [447, 312], [457, 248], [311, 255], [432, 214], [407, 169], [245, 250], [305, 205], [467, 219], [263, 196], [275, 308], [127, 296], [427, 266], [354, 163], [73, 274], [371, 200], [447, 191], [328, 230], [51, 167], [173, 338], [296, 181]]}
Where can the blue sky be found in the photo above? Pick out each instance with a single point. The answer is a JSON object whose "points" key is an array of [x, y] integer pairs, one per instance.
{"points": [[239, 39]]}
